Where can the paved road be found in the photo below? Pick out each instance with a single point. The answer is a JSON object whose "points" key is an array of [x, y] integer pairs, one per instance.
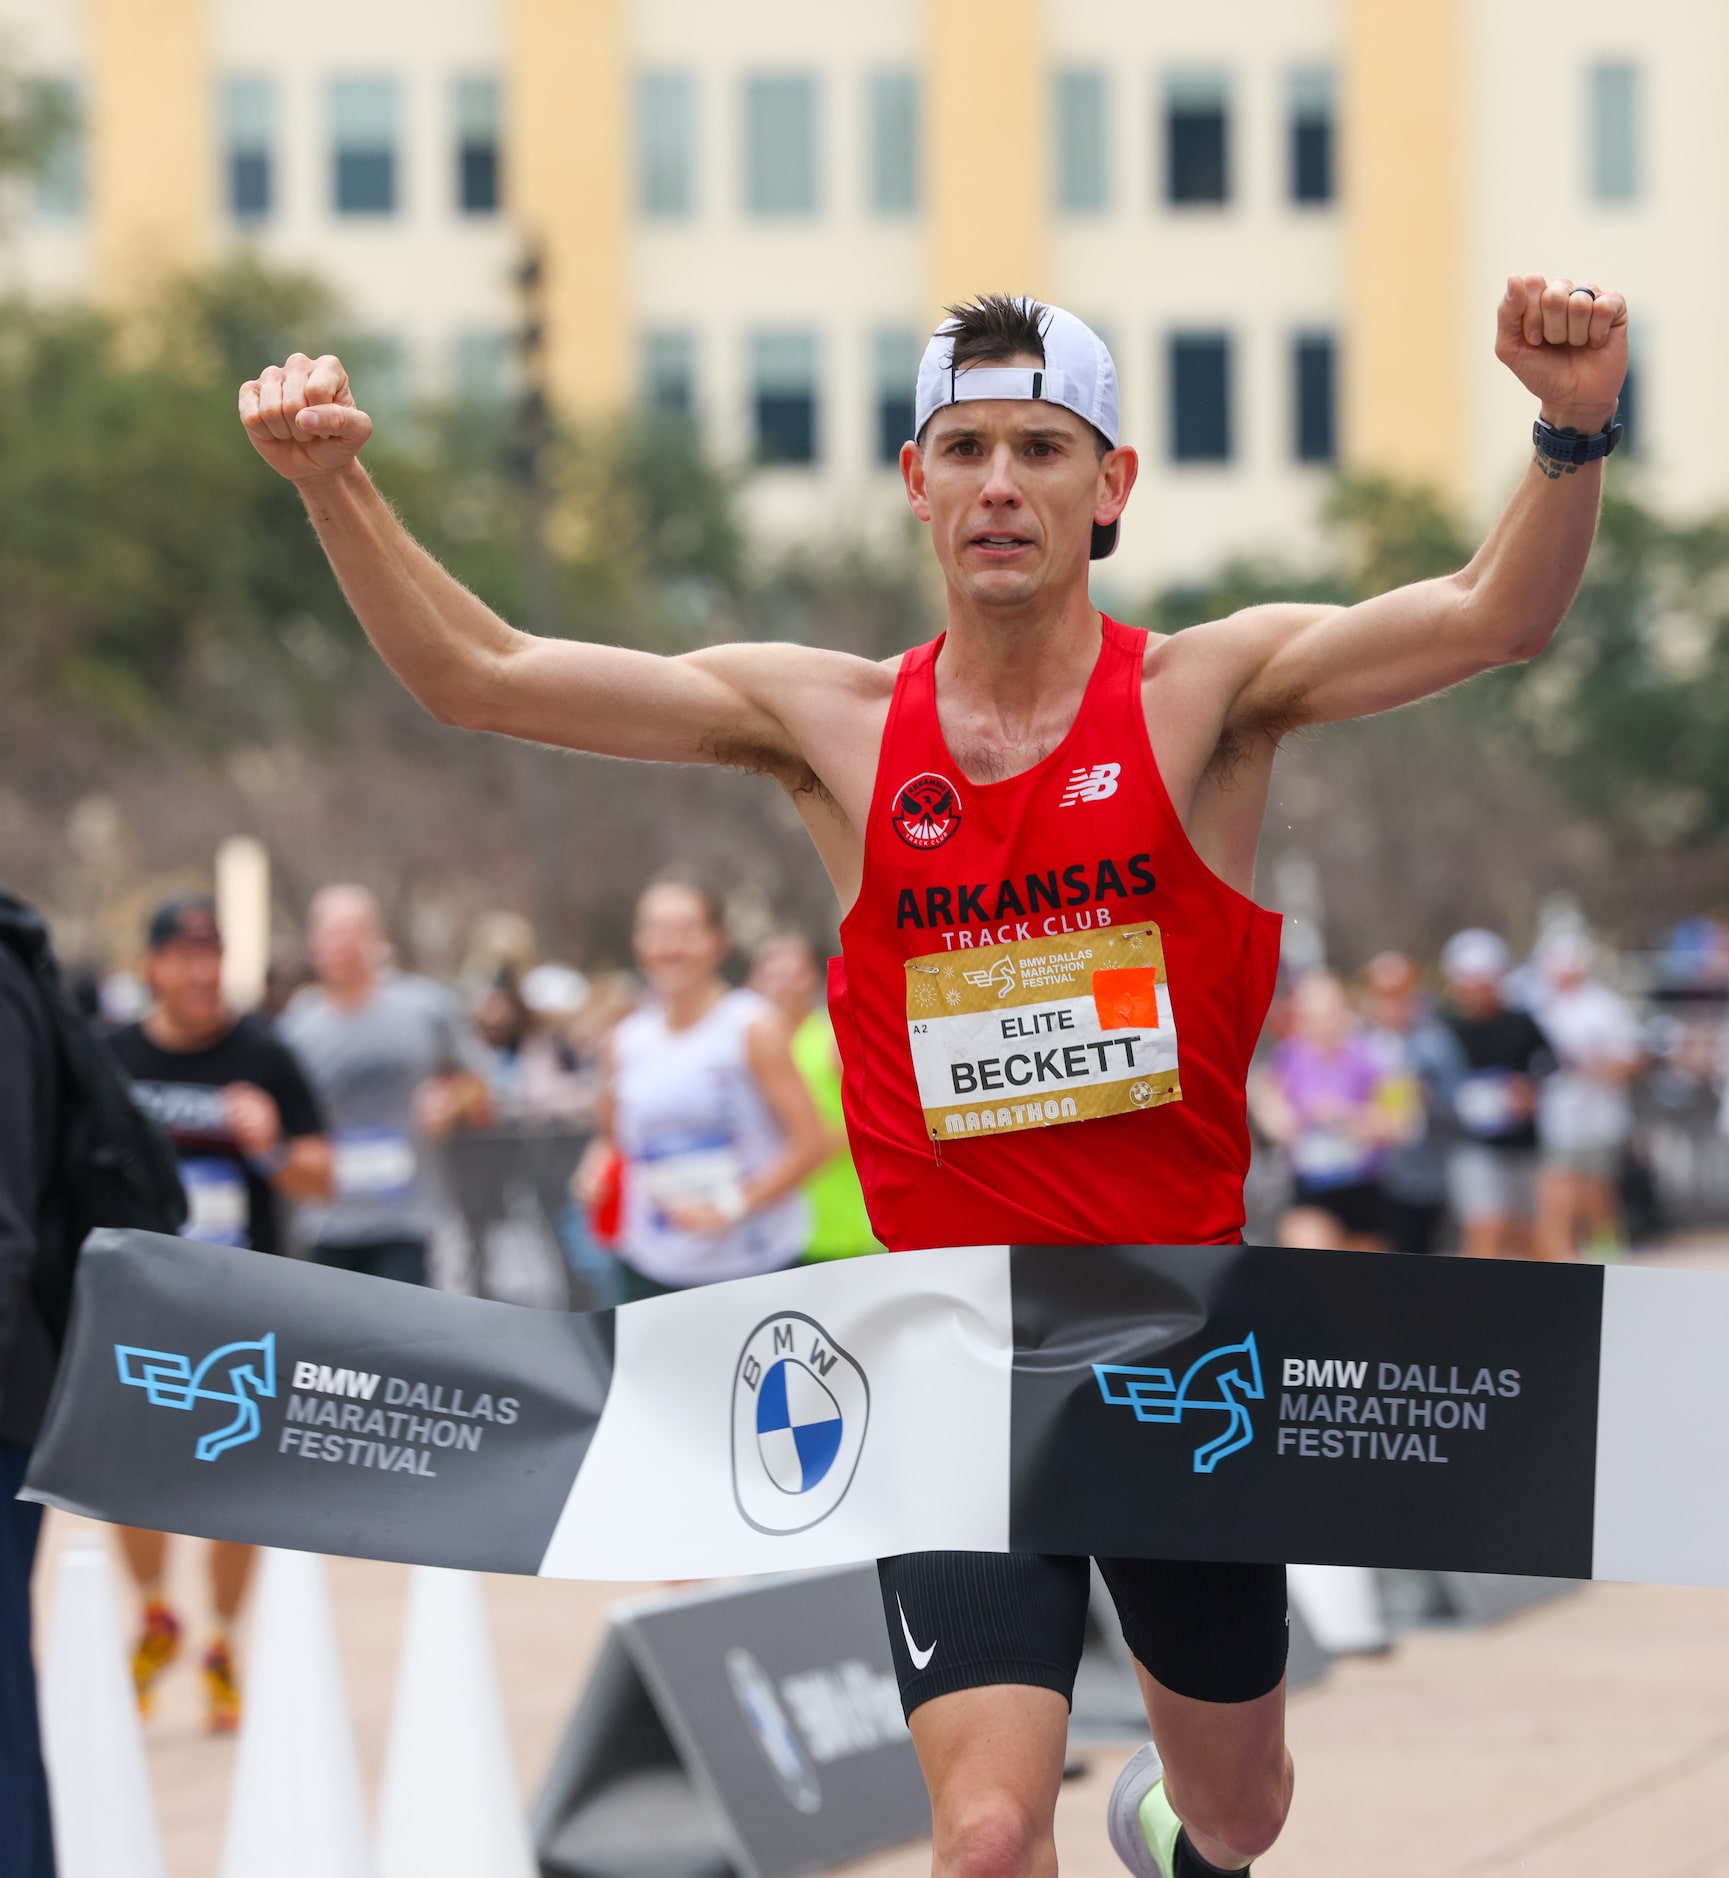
{"points": [[1587, 1739]]}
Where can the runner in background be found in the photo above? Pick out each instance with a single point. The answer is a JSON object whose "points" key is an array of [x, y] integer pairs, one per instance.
{"points": [[1585, 1113], [1424, 1056], [1492, 1166], [396, 1066], [245, 1125], [714, 1123], [1330, 1100], [788, 972]]}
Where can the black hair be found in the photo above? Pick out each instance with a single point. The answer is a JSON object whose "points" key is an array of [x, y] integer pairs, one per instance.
{"points": [[994, 328]]}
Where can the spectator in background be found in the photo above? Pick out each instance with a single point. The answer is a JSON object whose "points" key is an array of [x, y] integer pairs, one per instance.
{"points": [[714, 1123], [535, 1073], [788, 972], [244, 1124], [1423, 1057], [1492, 1166], [1327, 1098], [395, 1066], [30, 1096], [1585, 1113]]}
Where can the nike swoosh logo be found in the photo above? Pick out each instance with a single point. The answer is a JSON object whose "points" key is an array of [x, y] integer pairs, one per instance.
{"points": [[920, 1657]]}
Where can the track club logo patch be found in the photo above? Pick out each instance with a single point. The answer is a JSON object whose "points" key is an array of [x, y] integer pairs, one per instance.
{"points": [[799, 1409], [927, 811]]}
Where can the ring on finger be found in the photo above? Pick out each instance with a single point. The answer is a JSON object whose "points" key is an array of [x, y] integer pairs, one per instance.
{"points": [[1592, 291]]}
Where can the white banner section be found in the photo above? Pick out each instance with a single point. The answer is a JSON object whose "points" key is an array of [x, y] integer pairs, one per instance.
{"points": [[733, 1439], [1662, 1504]]}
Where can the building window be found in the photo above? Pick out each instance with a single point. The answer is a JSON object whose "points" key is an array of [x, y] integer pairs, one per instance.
{"points": [[60, 175], [363, 132], [1312, 136], [1197, 133], [476, 112], [669, 376], [892, 114], [666, 143], [1614, 120], [783, 390], [1314, 385], [895, 368], [1079, 123], [1200, 397], [481, 367], [248, 141], [780, 145]]}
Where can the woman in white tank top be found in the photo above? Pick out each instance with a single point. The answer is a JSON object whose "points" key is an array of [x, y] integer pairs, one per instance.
{"points": [[715, 1124]]}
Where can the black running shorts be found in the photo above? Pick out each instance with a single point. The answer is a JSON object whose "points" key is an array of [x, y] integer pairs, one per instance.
{"points": [[966, 1620]]}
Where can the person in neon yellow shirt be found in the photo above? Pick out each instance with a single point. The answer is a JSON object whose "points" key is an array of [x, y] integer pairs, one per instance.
{"points": [[787, 971]]}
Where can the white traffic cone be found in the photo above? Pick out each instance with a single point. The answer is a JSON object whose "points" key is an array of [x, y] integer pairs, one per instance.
{"points": [[99, 1789], [450, 1807], [297, 1805], [1342, 1606]]}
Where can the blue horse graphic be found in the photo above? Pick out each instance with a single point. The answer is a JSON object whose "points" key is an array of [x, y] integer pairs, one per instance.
{"points": [[1224, 1379], [171, 1381]]}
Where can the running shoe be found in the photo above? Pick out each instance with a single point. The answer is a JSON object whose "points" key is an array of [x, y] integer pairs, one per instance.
{"points": [[1143, 1828], [221, 1690], [157, 1646]]}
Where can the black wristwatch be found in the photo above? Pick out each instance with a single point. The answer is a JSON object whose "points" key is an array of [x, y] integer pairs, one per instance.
{"points": [[1568, 446]]}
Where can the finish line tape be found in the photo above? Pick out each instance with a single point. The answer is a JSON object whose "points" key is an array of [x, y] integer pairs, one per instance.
{"points": [[1162, 1401]]}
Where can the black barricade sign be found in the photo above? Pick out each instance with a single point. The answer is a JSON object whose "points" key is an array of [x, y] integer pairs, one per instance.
{"points": [[754, 1729], [1156, 1401]]}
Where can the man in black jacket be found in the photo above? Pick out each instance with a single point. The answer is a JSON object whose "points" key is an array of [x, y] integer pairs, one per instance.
{"points": [[29, 1107]]}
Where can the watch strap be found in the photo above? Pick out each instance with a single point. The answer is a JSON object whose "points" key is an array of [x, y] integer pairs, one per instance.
{"points": [[1568, 446]]}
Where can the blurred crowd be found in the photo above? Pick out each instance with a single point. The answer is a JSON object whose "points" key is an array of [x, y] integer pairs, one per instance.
{"points": [[679, 1122], [1498, 1107]]}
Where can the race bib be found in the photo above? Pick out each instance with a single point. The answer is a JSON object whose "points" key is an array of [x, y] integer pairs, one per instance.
{"points": [[689, 1171], [1325, 1154], [373, 1164], [1484, 1104], [217, 1209], [1042, 1031]]}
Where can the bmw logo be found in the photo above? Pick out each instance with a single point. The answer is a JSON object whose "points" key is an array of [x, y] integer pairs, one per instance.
{"points": [[799, 1408]]}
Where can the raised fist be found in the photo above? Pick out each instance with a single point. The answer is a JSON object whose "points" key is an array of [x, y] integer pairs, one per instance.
{"points": [[302, 417], [1567, 345]]}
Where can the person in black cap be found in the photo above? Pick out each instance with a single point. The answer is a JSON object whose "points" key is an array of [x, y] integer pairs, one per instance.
{"points": [[246, 1127]]}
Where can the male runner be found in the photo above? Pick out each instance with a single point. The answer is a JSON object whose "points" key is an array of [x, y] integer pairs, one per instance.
{"points": [[1038, 772], [247, 1131]]}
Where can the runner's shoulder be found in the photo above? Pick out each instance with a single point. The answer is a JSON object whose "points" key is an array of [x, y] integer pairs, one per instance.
{"points": [[1249, 633], [781, 662]]}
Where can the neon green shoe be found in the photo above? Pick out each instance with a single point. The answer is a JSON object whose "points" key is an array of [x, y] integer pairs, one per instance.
{"points": [[1139, 1818]]}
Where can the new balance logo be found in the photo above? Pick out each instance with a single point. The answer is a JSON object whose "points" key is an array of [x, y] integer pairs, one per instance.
{"points": [[1091, 785]]}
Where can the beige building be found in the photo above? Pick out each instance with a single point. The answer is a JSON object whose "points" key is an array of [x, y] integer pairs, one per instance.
{"points": [[1290, 218]]}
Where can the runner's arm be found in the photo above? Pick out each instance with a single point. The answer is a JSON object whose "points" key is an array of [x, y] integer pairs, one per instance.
{"points": [[464, 663], [1306, 664]]}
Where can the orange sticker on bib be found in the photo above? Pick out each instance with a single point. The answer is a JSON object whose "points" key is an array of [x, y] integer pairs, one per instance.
{"points": [[1127, 998]]}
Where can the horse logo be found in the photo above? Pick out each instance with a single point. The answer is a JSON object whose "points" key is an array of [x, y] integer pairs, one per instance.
{"points": [[172, 1381], [1223, 1381]]}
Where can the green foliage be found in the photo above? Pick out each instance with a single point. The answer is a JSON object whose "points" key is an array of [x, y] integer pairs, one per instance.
{"points": [[158, 580], [1627, 712]]}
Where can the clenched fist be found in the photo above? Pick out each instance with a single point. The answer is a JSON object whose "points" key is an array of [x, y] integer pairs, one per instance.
{"points": [[1567, 345], [302, 417]]}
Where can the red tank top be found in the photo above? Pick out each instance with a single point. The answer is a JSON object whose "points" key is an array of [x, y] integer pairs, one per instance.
{"points": [[1045, 1000]]}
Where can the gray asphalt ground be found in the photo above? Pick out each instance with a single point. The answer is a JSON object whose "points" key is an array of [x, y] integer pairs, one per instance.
{"points": [[1588, 1738]]}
